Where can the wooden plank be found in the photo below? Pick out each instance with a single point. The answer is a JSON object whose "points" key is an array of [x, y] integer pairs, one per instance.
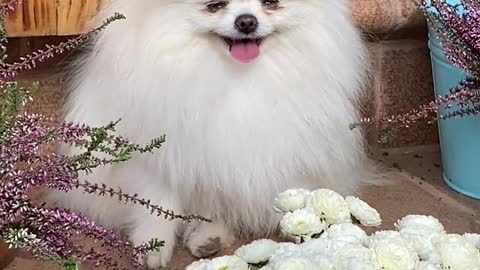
{"points": [[75, 16], [33, 18]]}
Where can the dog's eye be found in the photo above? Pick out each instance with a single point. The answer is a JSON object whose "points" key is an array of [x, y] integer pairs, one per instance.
{"points": [[214, 6], [270, 3]]}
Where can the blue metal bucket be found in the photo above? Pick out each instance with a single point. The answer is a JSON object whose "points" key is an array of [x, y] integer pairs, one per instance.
{"points": [[459, 137]]}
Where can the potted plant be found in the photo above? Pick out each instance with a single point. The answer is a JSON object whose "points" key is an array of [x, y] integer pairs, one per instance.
{"points": [[454, 42], [452, 24]]}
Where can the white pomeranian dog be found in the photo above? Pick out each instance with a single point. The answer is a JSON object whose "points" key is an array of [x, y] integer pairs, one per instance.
{"points": [[255, 97]]}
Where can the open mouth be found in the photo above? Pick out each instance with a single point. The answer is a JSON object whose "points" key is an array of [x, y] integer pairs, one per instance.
{"points": [[244, 50]]}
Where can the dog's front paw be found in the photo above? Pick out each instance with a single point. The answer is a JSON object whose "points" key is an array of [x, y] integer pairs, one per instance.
{"points": [[162, 231], [208, 239], [210, 247], [156, 260]]}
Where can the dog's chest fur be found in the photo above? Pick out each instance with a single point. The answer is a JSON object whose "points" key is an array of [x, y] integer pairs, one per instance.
{"points": [[236, 134]]}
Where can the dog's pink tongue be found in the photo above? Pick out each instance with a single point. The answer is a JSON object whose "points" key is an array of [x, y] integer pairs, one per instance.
{"points": [[245, 51]]}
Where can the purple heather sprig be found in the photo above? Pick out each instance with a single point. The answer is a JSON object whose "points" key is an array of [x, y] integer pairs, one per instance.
{"points": [[49, 221], [30, 61], [457, 27], [9, 6], [48, 233], [25, 168], [466, 96]]}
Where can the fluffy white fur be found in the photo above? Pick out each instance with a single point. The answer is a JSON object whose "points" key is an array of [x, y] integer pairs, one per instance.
{"points": [[237, 134]]}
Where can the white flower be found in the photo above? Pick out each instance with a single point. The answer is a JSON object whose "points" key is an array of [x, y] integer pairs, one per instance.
{"points": [[291, 200], [457, 254], [199, 265], [383, 235], [329, 205], [323, 247], [317, 247], [302, 222], [228, 263], [304, 252], [353, 251], [286, 249], [448, 238], [423, 265], [346, 232], [323, 262], [421, 237], [392, 237], [356, 264], [295, 263], [391, 254], [472, 238], [363, 212], [257, 251], [428, 221]]}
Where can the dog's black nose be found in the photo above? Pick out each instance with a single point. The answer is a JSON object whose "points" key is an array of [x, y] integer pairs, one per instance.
{"points": [[246, 23]]}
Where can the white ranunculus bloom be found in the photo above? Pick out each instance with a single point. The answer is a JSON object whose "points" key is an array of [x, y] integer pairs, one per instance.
{"points": [[323, 262], [421, 237], [302, 223], [287, 249], [394, 237], [392, 254], [258, 251], [448, 238], [329, 205], [291, 200], [317, 247], [199, 265], [356, 264], [424, 265], [353, 251], [339, 245], [346, 232], [295, 263], [456, 253], [383, 235], [315, 254], [427, 221], [363, 212], [228, 263], [472, 238]]}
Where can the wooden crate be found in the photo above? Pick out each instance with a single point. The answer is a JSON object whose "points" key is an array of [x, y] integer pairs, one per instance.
{"points": [[73, 15], [51, 17]]}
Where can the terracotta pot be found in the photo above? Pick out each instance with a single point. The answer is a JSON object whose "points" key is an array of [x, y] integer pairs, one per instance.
{"points": [[6, 255]]}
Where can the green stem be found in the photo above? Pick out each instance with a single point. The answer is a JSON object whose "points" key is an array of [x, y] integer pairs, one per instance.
{"points": [[73, 266]]}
